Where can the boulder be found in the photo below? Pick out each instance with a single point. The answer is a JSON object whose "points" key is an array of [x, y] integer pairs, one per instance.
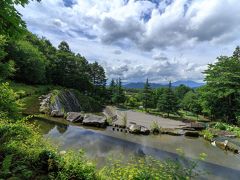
{"points": [[94, 120], [75, 117], [192, 134], [144, 130], [57, 113], [134, 129]]}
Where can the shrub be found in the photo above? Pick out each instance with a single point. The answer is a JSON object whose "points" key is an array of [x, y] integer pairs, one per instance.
{"points": [[9, 105]]}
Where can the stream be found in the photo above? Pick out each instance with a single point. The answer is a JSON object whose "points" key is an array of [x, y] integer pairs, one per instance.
{"points": [[101, 144]]}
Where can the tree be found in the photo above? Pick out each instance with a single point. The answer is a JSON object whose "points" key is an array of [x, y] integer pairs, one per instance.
{"points": [[167, 102], [6, 67], [181, 90], [11, 23], [30, 62], [191, 103], [223, 80], [118, 94], [63, 46], [147, 95]]}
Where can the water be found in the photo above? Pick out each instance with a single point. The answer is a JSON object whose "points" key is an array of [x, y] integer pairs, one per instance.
{"points": [[100, 144]]}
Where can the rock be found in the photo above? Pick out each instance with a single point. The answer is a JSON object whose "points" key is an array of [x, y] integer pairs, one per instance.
{"points": [[172, 132], [75, 117], [144, 130], [57, 113], [134, 128], [94, 120], [221, 145], [232, 147], [197, 126], [192, 134]]}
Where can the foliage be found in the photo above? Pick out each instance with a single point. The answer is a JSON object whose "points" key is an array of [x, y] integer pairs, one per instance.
{"points": [[9, 104], [117, 94], [30, 62], [147, 95], [223, 80], [26, 155], [227, 127], [155, 128], [167, 102], [191, 102], [207, 134], [11, 23], [6, 67], [146, 168], [181, 91]]}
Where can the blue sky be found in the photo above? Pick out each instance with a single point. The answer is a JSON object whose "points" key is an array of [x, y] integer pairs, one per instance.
{"points": [[137, 39]]}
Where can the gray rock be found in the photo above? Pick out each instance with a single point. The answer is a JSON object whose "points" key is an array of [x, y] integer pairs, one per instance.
{"points": [[94, 120], [144, 130], [134, 129], [57, 113], [75, 117]]}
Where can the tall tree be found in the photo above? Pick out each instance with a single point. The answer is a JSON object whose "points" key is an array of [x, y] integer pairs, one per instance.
{"points": [[167, 102], [147, 95], [223, 79], [118, 95]]}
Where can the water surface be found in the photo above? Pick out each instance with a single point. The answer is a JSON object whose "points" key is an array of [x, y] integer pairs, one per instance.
{"points": [[99, 144]]}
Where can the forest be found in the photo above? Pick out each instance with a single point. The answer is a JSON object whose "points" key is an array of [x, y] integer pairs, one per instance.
{"points": [[29, 60]]}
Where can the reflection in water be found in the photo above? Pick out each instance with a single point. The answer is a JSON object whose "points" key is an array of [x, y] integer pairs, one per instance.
{"points": [[62, 128], [99, 145]]}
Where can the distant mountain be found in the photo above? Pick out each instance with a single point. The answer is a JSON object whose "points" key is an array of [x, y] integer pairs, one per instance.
{"points": [[140, 85], [191, 84]]}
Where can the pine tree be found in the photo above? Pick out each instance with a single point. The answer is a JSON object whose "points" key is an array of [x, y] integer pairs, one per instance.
{"points": [[167, 102], [147, 95]]}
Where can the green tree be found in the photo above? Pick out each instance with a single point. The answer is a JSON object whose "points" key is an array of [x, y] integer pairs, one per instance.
{"points": [[223, 80], [11, 23], [167, 102], [6, 67], [30, 62], [118, 95], [191, 103], [9, 105], [147, 95], [181, 90]]}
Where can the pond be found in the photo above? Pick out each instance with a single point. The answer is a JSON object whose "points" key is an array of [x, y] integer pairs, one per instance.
{"points": [[100, 144]]}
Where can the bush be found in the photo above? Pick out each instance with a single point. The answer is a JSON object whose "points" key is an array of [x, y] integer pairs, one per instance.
{"points": [[9, 105], [24, 154]]}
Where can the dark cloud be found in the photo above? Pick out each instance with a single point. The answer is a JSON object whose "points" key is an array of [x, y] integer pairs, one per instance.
{"points": [[115, 31], [117, 51]]}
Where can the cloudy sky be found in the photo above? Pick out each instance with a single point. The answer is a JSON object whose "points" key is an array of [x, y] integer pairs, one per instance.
{"points": [[137, 39]]}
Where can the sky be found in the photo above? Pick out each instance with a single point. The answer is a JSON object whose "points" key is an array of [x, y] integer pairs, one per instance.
{"points": [[133, 40]]}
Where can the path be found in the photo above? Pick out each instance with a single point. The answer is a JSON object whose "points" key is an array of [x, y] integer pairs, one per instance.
{"points": [[146, 120]]}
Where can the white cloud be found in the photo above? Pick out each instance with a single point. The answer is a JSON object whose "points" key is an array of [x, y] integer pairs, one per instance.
{"points": [[137, 33]]}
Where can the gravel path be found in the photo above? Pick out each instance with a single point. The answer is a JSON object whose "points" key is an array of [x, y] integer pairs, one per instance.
{"points": [[147, 120]]}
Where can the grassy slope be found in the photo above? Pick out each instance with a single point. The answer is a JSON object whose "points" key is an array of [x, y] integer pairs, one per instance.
{"points": [[29, 95]]}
